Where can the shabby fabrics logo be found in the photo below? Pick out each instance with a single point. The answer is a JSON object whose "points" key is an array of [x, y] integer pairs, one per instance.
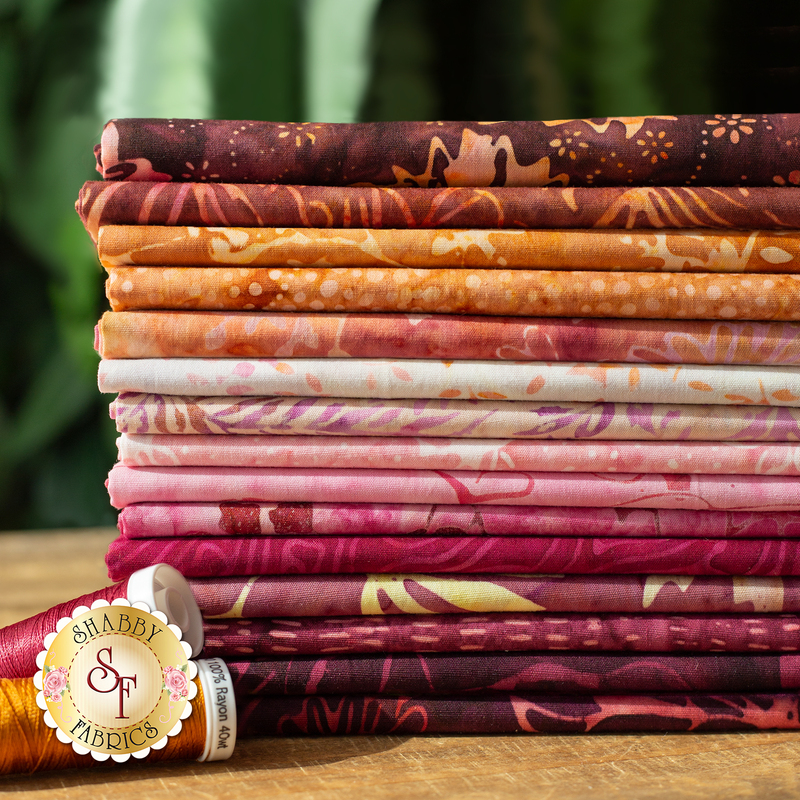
{"points": [[115, 680]]}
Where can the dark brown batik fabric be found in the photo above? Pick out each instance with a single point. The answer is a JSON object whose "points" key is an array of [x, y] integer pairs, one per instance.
{"points": [[707, 150], [567, 673], [523, 712], [271, 205]]}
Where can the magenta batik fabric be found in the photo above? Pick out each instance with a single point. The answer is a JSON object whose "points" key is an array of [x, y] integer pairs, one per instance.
{"points": [[502, 712], [271, 205], [457, 673], [488, 633], [203, 334], [475, 380], [311, 555], [127, 485], [415, 594], [413, 452], [713, 150], [168, 520], [473, 419]]}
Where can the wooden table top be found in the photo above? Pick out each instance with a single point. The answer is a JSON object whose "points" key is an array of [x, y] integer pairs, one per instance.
{"points": [[41, 569]]}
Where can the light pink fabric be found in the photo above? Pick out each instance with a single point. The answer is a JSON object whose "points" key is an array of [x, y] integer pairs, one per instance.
{"points": [[503, 455], [128, 485]]}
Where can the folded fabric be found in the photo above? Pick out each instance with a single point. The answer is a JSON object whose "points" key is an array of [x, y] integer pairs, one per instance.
{"points": [[519, 292], [454, 673], [502, 455], [516, 713], [595, 250], [271, 205], [202, 334], [127, 485], [315, 555], [156, 520], [472, 419], [427, 378], [718, 150], [465, 633], [400, 594]]}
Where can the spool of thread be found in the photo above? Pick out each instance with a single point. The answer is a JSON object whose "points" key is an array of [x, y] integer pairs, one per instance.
{"points": [[28, 745], [162, 587]]}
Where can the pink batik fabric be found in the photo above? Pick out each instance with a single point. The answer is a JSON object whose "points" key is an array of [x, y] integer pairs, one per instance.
{"points": [[127, 485], [415, 452], [169, 520]]}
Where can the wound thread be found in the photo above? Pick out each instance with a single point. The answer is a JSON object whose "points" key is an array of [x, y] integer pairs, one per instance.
{"points": [[21, 642], [28, 745]]}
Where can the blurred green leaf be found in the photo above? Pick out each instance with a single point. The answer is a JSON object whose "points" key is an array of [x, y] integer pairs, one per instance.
{"points": [[155, 59], [256, 69], [623, 58], [336, 67]]}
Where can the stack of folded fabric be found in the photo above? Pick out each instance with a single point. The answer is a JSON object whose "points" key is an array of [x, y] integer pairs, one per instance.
{"points": [[473, 391]]}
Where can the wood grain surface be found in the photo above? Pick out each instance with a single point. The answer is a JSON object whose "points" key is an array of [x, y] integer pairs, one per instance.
{"points": [[39, 569]]}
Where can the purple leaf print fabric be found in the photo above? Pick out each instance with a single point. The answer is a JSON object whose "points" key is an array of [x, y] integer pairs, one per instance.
{"points": [[473, 419]]}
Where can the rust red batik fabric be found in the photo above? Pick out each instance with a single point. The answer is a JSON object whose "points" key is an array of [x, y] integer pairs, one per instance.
{"points": [[710, 150], [267, 206]]}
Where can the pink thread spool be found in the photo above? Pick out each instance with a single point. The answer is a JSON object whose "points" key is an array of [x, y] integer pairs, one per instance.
{"points": [[162, 587]]}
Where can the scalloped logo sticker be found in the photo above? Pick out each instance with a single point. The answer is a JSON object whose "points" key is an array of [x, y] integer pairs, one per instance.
{"points": [[115, 680]]}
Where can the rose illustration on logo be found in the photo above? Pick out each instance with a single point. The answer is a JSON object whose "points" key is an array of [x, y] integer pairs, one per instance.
{"points": [[176, 682], [54, 683]]}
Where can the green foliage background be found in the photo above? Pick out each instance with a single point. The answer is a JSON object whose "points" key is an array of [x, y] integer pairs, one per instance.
{"points": [[66, 65]]}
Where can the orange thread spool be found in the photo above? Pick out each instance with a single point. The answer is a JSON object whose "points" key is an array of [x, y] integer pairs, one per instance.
{"points": [[28, 745]]}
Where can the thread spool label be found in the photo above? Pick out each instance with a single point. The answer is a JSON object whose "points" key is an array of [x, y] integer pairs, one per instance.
{"points": [[116, 680]]}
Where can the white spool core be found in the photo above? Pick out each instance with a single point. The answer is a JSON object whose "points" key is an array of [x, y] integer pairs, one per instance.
{"points": [[164, 589], [220, 709]]}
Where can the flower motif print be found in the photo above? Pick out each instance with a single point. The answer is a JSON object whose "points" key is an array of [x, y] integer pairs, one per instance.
{"points": [[176, 683], [732, 125], [569, 142], [654, 146], [54, 683]]}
